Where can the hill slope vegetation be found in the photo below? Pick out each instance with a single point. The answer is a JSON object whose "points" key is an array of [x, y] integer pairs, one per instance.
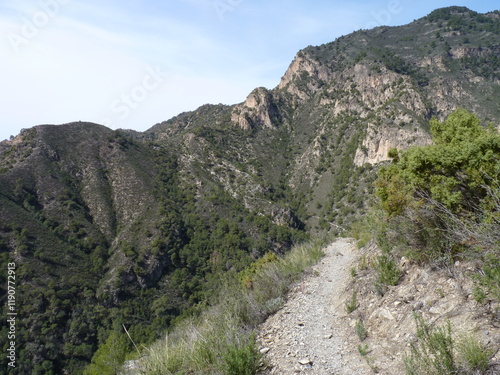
{"points": [[110, 228]]}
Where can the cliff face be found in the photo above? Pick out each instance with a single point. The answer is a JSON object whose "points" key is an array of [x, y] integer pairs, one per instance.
{"points": [[137, 227], [379, 140], [259, 110]]}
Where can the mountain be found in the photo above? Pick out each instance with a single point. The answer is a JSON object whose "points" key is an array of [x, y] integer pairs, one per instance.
{"points": [[118, 227]]}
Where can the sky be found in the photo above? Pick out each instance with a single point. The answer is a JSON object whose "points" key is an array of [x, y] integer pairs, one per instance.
{"points": [[134, 63]]}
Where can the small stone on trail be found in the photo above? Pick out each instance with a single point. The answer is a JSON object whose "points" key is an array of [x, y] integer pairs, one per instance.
{"points": [[305, 361], [264, 350]]}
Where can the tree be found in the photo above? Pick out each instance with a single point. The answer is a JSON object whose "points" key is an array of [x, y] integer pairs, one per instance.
{"points": [[456, 170], [443, 201], [109, 358]]}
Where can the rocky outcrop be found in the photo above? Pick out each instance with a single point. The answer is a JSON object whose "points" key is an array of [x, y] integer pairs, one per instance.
{"points": [[379, 140], [461, 52], [258, 110], [303, 75]]}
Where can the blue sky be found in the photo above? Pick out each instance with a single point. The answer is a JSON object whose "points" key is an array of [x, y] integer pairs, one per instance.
{"points": [[133, 63]]}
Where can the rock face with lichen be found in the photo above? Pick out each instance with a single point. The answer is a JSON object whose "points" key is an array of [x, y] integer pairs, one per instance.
{"points": [[135, 227]]}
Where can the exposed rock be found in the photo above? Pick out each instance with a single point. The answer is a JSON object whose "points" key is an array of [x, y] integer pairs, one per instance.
{"points": [[305, 361], [379, 140], [386, 314], [433, 294], [259, 109], [301, 67]]}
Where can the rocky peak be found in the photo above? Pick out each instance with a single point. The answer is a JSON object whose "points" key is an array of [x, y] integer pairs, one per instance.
{"points": [[303, 76], [258, 110], [132, 218]]}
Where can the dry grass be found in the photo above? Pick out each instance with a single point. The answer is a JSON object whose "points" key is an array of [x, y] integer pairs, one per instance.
{"points": [[221, 340]]}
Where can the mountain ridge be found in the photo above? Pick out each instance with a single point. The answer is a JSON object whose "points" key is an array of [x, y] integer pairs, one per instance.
{"points": [[113, 219]]}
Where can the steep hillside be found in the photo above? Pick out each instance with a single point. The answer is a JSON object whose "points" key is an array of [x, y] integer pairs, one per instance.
{"points": [[339, 108], [118, 227], [100, 227]]}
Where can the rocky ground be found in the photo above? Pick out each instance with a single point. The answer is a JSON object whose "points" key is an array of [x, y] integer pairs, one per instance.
{"points": [[311, 333], [314, 334]]}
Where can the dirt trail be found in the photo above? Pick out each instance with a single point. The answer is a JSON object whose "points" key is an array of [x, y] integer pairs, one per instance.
{"points": [[311, 333]]}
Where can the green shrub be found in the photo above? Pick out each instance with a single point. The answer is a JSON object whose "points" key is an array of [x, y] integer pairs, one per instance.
{"points": [[363, 350], [360, 330], [479, 294], [454, 171], [472, 355], [110, 356], [241, 360], [489, 278], [432, 353], [442, 202], [354, 272], [388, 272], [352, 303]]}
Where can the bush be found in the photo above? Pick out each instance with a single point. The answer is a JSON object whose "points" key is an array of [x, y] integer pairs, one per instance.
{"points": [[489, 278], [437, 352], [360, 330], [473, 356], [432, 353], [221, 339], [442, 201], [110, 356], [241, 360], [388, 272], [352, 303], [453, 171]]}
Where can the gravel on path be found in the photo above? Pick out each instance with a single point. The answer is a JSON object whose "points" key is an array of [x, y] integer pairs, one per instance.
{"points": [[312, 334]]}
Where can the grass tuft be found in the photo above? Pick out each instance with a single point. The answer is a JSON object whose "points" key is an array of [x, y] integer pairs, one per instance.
{"points": [[473, 356], [360, 330], [437, 352], [352, 303], [222, 340]]}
